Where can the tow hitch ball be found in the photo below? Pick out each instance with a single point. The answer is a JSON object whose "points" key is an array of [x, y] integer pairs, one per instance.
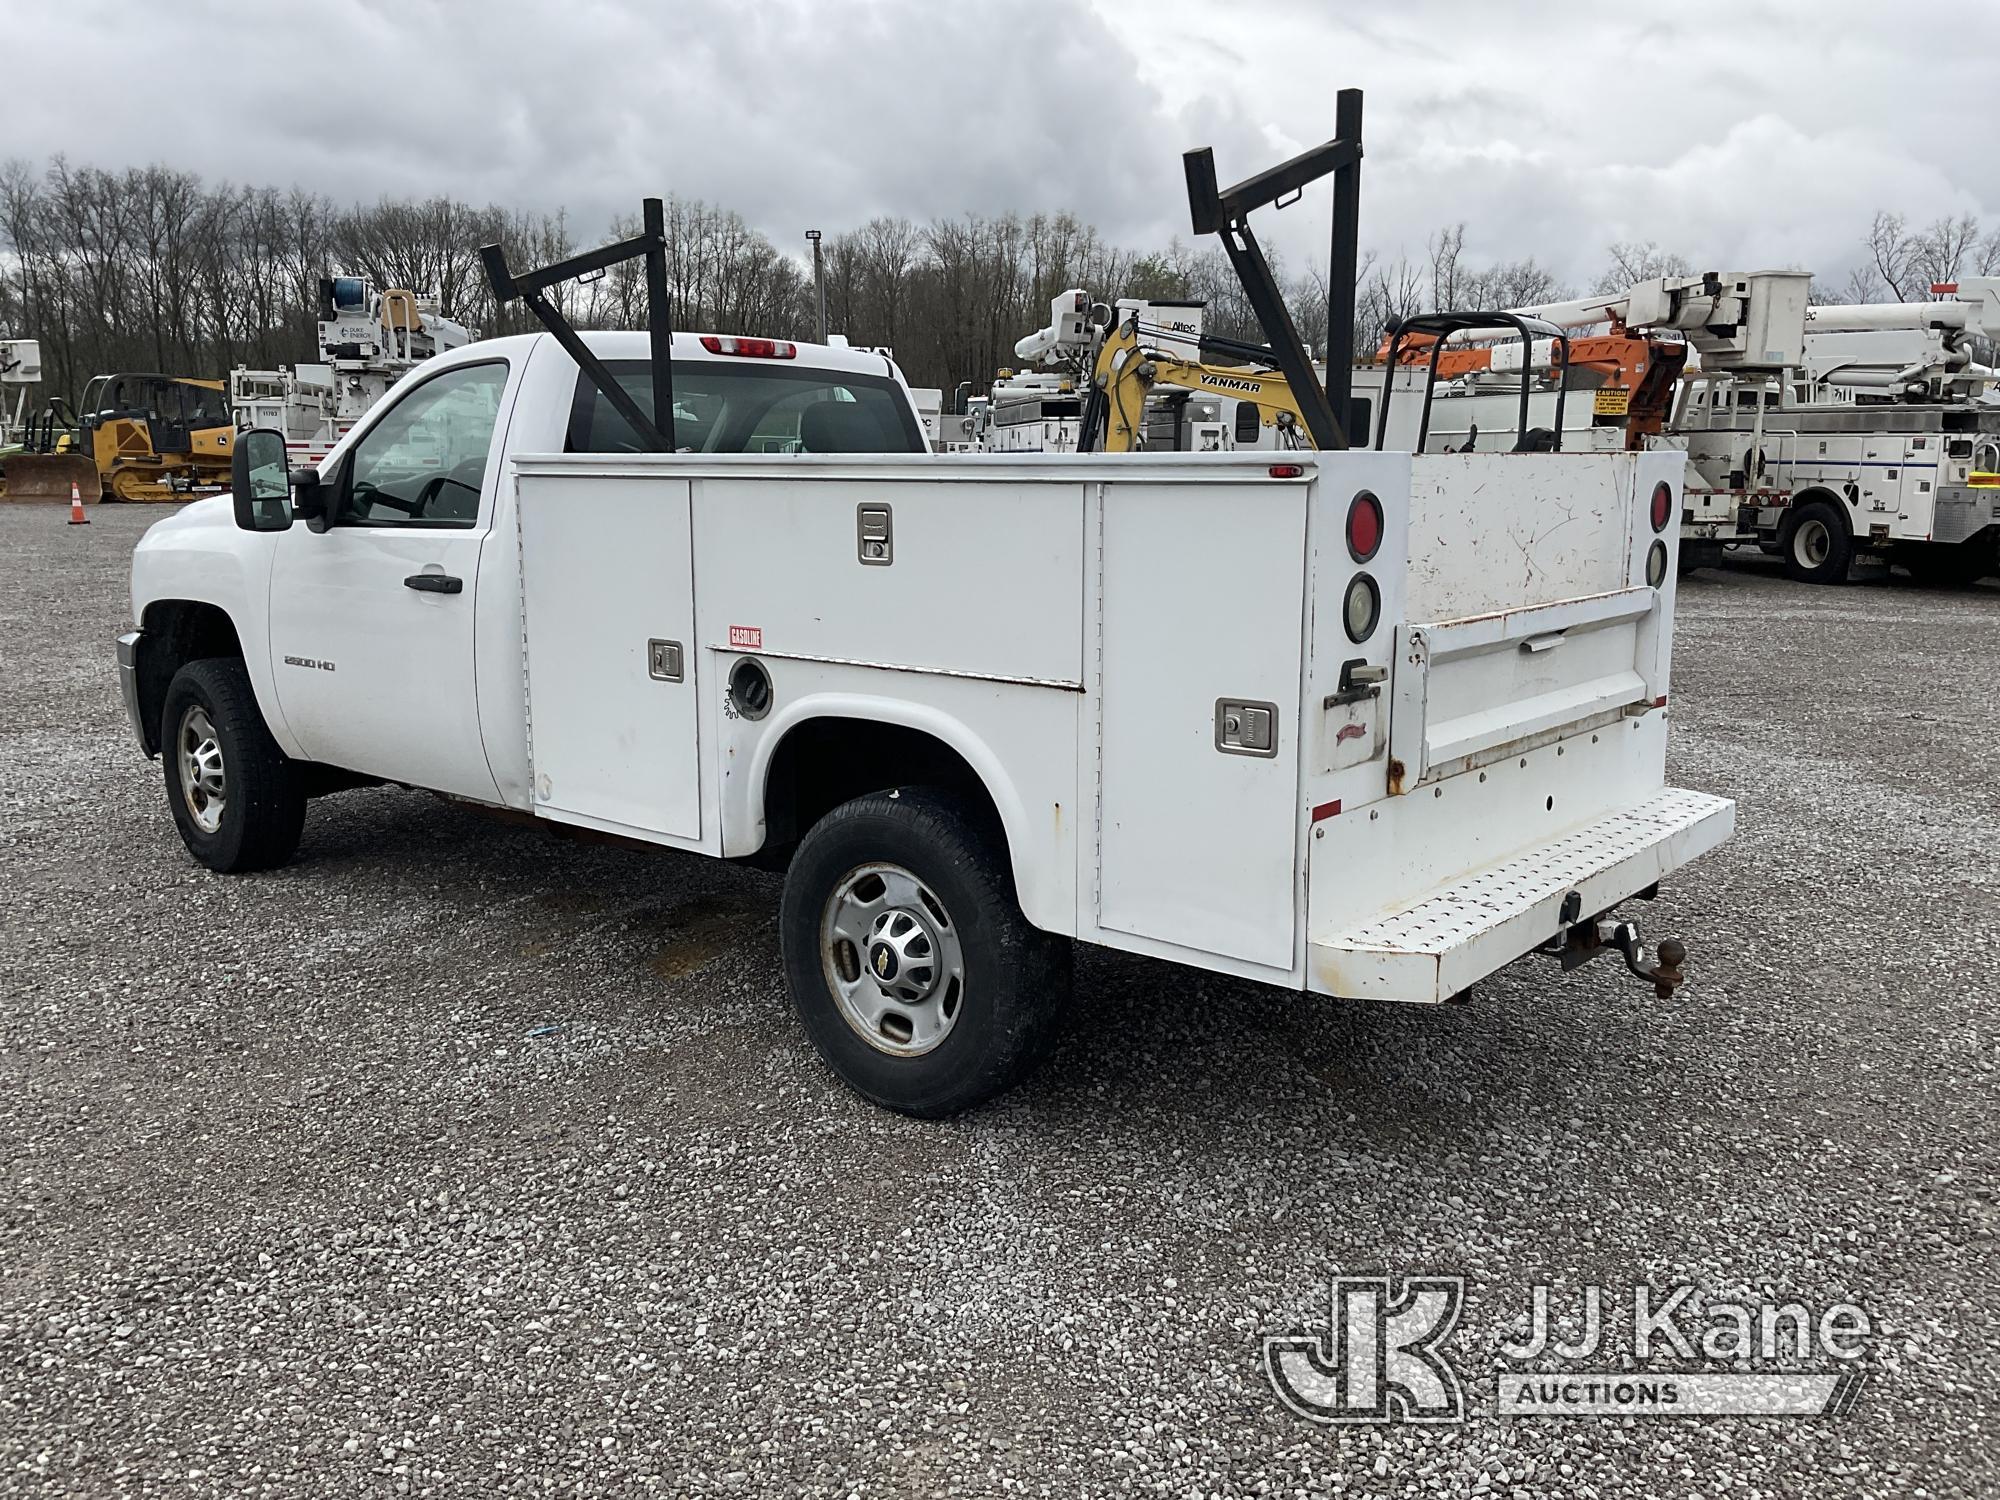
{"points": [[1664, 974], [1580, 942]]}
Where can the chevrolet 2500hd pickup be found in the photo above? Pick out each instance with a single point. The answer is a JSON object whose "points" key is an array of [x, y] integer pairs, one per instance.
{"points": [[1357, 723]]}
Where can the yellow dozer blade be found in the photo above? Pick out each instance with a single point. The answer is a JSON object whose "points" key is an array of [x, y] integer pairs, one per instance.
{"points": [[48, 476]]}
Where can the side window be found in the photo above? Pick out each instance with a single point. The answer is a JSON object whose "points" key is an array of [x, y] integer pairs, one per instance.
{"points": [[424, 462], [1248, 420]]}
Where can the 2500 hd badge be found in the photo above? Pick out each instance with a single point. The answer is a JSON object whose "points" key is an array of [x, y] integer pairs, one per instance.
{"points": [[307, 661]]}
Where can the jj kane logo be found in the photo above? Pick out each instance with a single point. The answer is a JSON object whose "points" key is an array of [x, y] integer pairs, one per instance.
{"points": [[1383, 1356], [1380, 1360]]}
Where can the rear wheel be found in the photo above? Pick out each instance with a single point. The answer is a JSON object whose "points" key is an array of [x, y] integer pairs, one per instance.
{"points": [[1817, 543], [909, 961], [237, 799]]}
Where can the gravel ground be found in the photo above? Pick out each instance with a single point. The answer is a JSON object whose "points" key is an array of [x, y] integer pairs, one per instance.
{"points": [[456, 1160]]}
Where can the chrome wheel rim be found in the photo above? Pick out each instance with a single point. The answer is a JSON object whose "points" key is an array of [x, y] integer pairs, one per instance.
{"points": [[203, 784], [1811, 543], [892, 959]]}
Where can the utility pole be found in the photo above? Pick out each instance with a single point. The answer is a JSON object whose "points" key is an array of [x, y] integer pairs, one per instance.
{"points": [[819, 283]]}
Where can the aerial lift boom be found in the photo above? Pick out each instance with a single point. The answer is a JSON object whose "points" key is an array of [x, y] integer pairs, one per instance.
{"points": [[1734, 320], [1907, 351]]}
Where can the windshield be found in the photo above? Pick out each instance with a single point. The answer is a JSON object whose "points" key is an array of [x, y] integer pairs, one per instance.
{"points": [[753, 407]]}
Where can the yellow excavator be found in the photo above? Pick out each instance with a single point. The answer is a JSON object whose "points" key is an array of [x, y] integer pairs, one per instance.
{"points": [[1128, 370], [1310, 411], [138, 437], [1129, 359]]}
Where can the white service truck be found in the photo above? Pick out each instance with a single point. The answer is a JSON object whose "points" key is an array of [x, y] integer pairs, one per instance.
{"points": [[1882, 441], [1354, 723], [1822, 484], [1351, 722]]}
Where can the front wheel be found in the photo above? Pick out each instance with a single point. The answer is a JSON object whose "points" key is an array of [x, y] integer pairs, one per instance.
{"points": [[910, 964], [1818, 546], [238, 800], [1952, 565]]}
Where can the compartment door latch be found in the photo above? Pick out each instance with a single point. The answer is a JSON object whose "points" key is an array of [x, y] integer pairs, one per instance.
{"points": [[1245, 726], [663, 661], [875, 536]]}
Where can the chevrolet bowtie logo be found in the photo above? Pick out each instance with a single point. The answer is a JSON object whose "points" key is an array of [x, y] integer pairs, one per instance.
{"points": [[882, 962]]}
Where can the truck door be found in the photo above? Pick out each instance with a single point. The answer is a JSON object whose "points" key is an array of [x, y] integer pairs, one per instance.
{"points": [[372, 620], [607, 604]]}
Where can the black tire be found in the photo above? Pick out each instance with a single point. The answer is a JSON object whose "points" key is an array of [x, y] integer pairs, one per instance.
{"points": [[1952, 566], [1015, 979], [1696, 555], [1817, 544], [263, 802]]}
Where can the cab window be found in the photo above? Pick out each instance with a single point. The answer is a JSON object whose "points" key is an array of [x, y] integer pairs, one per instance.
{"points": [[424, 462], [203, 407], [752, 408]]}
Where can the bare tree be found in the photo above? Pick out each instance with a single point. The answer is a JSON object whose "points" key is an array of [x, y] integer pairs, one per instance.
{"points": [[153, 268], [1446, 246], [1633, 262], [1891, 252], [1943, 250]]}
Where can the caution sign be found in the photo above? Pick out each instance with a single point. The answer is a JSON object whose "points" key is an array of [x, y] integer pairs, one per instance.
{"points": [[1611, 401]]}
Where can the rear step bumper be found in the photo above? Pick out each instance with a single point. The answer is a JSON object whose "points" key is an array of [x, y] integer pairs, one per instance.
{"points": [[1460, 933]]}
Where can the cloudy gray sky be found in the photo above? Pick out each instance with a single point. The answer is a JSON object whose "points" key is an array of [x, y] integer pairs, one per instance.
{"points": [[1758, 132]]}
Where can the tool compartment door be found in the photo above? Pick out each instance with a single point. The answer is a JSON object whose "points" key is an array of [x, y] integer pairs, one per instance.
{"points": [[1202, 597], [1529, 613], [607, 571]]}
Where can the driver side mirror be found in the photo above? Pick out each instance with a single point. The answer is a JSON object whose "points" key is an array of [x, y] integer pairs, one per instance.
{"points": [[258, 482]]}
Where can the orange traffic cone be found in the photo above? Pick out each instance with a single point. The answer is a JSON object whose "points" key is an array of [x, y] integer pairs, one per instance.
{"points": [[76, 515]]}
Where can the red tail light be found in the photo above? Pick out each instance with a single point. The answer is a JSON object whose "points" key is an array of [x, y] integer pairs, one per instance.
{"points": [[1663, 505], [749, 348], [1286, 471], [1364, 527]]}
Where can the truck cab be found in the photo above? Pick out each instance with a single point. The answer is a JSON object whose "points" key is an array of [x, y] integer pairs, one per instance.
{"points": [[383, 634]]}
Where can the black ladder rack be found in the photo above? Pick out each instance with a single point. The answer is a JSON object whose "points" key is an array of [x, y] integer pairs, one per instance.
{"points": [[654, 431]]}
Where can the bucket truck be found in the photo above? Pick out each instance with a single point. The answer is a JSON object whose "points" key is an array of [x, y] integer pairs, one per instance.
{"points": [[1877, 444], [367, 341]]}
